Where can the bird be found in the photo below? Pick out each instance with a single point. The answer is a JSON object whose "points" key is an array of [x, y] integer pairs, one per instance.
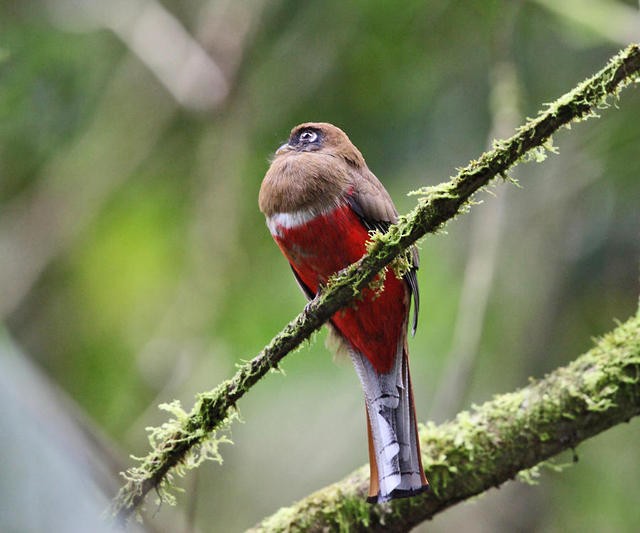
{"points": [[321, 203]]}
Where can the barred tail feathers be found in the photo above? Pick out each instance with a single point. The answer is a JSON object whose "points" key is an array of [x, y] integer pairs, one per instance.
{"points": [[394, 450]]}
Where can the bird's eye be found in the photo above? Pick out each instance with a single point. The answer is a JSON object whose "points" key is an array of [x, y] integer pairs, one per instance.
{"points": [[308, 136]]}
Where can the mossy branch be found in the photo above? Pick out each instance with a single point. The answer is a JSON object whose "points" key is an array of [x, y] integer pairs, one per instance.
{"points": [[492, 443], [193, 434]]}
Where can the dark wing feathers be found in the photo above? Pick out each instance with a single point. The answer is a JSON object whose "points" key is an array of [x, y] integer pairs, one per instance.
{"points": [[412, 279], [373, 224]]}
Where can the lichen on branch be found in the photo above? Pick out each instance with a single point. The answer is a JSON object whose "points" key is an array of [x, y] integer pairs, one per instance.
{"points": [[436, 205]]}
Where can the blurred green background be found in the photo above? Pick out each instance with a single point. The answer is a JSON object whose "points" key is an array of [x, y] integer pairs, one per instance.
{"points": [[135, 267]]}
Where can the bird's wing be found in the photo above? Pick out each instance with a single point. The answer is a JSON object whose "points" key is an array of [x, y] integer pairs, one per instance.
{"points": [[373, 205]]}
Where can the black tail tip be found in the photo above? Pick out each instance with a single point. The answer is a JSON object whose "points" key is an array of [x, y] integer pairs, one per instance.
{"points": [[400, 493]]}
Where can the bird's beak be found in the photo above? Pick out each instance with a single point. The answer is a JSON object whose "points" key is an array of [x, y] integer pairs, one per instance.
{"points": [[284, 148]]}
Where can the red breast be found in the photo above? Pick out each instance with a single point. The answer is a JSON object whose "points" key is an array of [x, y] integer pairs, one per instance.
{"points": [[320, 246]]}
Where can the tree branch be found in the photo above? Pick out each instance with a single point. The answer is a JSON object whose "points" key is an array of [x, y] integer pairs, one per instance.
{"points": [[490, 444], [196, 431]]}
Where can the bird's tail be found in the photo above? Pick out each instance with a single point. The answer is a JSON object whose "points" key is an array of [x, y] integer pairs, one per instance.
{"points": [[394, 450]]}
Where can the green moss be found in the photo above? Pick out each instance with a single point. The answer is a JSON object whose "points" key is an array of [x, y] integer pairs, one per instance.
{"points": [[338, 506], [181, 429]]}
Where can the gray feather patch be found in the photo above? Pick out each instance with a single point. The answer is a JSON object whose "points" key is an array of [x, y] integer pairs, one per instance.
{"points": [[390, 414]]}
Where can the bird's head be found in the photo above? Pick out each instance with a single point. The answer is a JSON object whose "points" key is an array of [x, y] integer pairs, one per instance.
{"points": [[324, 138], [313, 170]]}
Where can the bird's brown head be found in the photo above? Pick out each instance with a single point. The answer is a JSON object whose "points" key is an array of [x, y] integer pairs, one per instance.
{"points": [[312, 170], [325, 137]]}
